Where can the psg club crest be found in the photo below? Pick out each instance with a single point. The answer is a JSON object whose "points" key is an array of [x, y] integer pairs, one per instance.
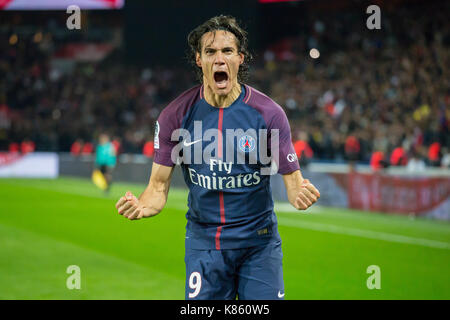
{"points": [[247, 143]]}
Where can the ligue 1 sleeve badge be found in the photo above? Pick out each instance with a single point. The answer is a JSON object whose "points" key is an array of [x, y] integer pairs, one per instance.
{"points": [[156, 139], [247, 143]]}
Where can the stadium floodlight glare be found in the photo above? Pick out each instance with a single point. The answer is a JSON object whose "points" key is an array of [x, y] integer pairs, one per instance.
{"points": [[314, 53]]}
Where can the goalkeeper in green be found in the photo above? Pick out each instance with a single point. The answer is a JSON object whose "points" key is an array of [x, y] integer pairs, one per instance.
{"points": [[105, 158]]}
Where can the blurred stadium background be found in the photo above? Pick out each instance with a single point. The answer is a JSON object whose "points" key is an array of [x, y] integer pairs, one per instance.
{"points": [[369, 112]]}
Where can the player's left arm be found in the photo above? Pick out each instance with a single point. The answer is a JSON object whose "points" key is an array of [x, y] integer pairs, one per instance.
{"points": [[301, 192]]}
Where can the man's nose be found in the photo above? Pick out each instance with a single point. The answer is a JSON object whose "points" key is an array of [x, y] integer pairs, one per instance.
{"points": [[219, 59]]}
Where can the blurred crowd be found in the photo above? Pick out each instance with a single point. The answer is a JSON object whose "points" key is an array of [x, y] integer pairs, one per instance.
{"points": [[373, 96], [380, 96], [53, 108]]}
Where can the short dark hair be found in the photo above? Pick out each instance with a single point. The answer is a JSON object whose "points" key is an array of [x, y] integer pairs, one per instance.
{"points": [[226, 23]]}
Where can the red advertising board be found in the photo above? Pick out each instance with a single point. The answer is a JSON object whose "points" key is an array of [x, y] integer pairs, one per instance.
{"points": [[387, 193]]}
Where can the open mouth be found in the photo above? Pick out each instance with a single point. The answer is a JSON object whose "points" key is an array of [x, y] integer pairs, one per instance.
{"points": [[221, 79]]}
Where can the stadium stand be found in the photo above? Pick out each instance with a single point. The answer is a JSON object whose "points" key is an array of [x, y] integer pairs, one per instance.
{"points": [[371, 94]]}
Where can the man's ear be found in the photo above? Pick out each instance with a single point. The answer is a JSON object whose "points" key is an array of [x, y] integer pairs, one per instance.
{"points": [[242, 56], [198, 61]]}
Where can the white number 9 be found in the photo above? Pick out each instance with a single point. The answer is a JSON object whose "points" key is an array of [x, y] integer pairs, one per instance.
{"points": [[196, 285]]}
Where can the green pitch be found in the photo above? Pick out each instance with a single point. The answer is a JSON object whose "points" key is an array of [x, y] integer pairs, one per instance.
{"points": [[48, 225]]}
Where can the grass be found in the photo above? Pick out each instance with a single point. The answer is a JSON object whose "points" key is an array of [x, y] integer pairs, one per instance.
{"points": [[48, 225]]}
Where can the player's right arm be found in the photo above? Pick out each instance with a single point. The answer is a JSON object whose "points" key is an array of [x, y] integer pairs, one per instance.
{"points": [[152, 200], [154, 197]]}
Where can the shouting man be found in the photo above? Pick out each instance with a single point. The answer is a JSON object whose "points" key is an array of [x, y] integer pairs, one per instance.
{"points": [[233, 248]]}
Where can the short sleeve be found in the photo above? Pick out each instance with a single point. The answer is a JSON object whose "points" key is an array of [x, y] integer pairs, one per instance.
{"points": [[170, 120], [163, 143], [287, 161]]}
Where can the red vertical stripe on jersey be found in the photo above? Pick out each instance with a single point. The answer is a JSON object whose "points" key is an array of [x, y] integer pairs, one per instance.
{"points": [[220, 133], [222, 220], [221, 202]]}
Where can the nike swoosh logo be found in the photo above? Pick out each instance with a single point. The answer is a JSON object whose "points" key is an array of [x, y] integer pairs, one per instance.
{"points": [[280, 295], [187, 144]]}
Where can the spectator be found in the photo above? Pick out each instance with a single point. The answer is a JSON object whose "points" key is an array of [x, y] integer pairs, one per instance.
{"points": [[303, 150], [88, 148], [352, 148], [378, 161], [148, 149], [14, 147], [445, 163], [399, 157], [117, 145], [434, 154], [415, 163], [27, 146], [76, 147]]}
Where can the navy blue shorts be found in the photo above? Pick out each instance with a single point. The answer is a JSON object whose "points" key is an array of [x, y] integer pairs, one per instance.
{"points": [[254, 273]]}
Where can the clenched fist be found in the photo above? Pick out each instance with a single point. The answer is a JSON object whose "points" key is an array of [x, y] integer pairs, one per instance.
{"points": [[130, 208], [307, 195]]}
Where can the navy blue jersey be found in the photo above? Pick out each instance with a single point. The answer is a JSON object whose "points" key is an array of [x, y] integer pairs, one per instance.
{"points": [[223, 153]]}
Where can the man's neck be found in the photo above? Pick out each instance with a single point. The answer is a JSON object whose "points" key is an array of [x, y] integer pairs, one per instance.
{"points": [[222, 101]]}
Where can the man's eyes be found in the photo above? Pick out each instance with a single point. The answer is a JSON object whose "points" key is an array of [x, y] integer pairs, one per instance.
{"points": [[211, 51]]}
